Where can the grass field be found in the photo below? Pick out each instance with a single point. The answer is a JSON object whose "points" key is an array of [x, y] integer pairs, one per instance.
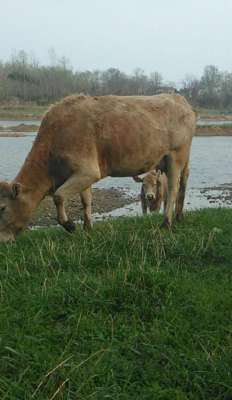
{"points": [[22, 112], [33, 111], [128, 312]]}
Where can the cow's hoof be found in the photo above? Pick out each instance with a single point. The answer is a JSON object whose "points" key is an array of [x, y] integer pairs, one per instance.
{"points": [[166, 224], [69, 226]]}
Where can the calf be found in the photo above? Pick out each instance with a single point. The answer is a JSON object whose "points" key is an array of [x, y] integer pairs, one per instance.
{"points": [[154, 191]]}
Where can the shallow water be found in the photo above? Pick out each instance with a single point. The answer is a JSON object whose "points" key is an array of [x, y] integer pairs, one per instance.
{"points": [[212, 122], [7, 123], [210, 166]]}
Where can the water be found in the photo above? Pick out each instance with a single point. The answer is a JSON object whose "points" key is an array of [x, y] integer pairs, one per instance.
{"points": [[7, 123], [13, 152], [210, 122], [210, 166]]}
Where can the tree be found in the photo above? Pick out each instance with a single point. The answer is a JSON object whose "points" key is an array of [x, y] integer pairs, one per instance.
{"points": [[210, 86], [191, 88]]}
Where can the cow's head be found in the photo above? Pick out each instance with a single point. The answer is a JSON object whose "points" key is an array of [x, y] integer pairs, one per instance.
{"points": [[151, 183], [13, 210]]}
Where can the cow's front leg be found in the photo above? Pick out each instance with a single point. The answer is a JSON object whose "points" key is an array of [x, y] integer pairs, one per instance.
{"points": [[77, 183], [62, 217], [86, 199]]}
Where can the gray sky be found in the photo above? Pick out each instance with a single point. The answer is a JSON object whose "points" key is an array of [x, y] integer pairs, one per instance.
{"points": [[174, 37]]}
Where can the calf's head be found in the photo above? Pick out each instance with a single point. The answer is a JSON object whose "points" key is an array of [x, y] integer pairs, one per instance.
{"points": [[13, 211], [151, 182]]}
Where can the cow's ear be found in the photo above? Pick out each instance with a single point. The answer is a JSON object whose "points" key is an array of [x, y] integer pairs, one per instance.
{"points": [[137, 179], [16, 189]]}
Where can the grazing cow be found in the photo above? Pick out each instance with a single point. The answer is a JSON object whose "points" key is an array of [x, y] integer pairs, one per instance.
{"points": [[154, 191], [83, 139]]}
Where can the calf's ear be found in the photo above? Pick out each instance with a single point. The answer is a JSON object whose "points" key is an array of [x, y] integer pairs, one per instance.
{"points": [[16, 189], [154, 173]]}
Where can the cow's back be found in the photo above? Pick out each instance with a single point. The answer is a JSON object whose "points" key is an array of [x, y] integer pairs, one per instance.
{"points": [[126, 135]]}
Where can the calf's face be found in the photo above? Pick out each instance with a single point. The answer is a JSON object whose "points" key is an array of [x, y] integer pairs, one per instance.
{"points": [[11, 211], [150, 182]]}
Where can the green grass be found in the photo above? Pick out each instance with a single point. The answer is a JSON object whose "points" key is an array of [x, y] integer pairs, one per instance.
{"points": [[128, 312], [213, 111], [34, 111]]}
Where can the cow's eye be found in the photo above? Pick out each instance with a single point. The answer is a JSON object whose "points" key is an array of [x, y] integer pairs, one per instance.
{"points": [[2, 209]]}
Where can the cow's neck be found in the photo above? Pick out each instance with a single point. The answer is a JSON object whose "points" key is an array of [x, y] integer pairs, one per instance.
{"points": [[35, 181]]}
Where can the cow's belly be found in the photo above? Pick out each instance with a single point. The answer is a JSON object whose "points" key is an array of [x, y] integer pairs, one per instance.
{"points": [[125, 160]]}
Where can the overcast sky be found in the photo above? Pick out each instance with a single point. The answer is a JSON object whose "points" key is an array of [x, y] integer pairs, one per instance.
{"points": [[174, 37]]}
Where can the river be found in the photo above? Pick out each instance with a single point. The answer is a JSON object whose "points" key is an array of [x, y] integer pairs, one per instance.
{"points": [[210, 167]]}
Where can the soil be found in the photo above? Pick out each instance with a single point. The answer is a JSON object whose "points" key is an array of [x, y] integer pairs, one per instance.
{"points": [[104, 200], [213, 131]]}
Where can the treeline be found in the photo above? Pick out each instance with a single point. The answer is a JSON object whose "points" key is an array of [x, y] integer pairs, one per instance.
{"points": [[212, 90], [23, 79]]}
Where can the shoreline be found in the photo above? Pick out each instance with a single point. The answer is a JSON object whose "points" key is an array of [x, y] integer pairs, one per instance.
{"points": [[23, 130], [114, 202], [104, 201]]}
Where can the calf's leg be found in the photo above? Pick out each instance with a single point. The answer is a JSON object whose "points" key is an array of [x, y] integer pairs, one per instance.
{"points": [[173, 174], [143, 200], [144, 205]]}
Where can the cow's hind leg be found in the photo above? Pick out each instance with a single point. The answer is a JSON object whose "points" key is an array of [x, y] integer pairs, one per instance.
{"points": [[173, 174], [181, 193], [77, 183], [86, 199]]}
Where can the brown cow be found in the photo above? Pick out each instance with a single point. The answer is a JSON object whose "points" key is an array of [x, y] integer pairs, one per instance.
{"points": [[83, 139], [154, 191]]}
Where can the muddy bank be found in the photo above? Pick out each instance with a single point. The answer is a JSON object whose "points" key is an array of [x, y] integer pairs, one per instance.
{"points": [[216, 117], [21, 128], [104, 200], [213, 131], [111, 203], [12, 134]]}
